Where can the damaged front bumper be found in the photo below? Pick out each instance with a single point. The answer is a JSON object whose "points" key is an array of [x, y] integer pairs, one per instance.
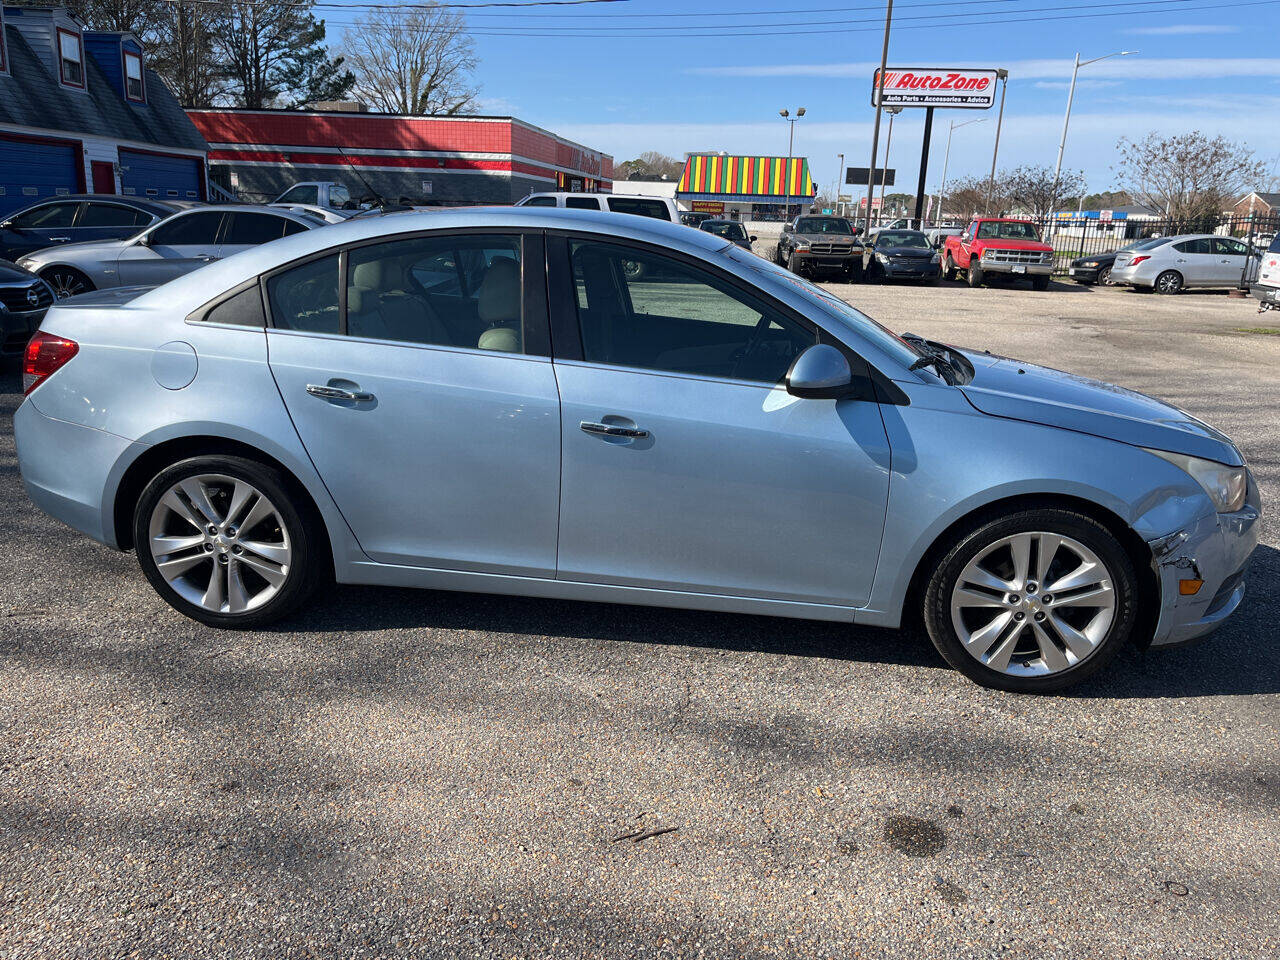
{"points": [[1215, 550]]}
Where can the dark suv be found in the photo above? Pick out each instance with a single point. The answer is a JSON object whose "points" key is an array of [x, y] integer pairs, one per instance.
{"points": [[810, 245]]}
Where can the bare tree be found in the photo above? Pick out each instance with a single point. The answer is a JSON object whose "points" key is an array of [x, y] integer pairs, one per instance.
{"points": [[972, 196], [650, 165], [417, 61], [1030, 190], [1188, 176]]}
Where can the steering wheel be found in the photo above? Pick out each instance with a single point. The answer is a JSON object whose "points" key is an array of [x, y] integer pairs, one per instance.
{"points": [[753, 342]]}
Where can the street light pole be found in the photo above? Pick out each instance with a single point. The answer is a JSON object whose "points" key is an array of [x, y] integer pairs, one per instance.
{"points": [[942, 191], [888, 143], [835, 198], [786, 173], [1066, 120], [879, 91], [1001, 74]]}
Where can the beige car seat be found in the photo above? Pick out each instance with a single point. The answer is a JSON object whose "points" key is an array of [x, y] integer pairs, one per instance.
{"points": [[498, 306], [380, 306]]}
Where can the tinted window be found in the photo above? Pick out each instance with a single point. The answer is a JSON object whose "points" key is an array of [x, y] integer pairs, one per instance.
{"points": [[641, 309], [112, 215], [301, 194], [539, 202], [254, 228], [1233, 248], [1199, 245], [292, 226], [446, 291], [640, 206], [243, 310], [306, 297], [191, 229], [582, 203], [50, 215]]}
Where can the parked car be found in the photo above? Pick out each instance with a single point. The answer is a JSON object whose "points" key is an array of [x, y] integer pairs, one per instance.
{"points": [[938, 235], [900, 255], [319, 193], [1187, 261], [1096, 268], [820, 245], [696, 218], [772, 450], [174, 246], [998, 247], [79, 217], [24, 298], [659, 208], [730, 230], [1267, 287]]}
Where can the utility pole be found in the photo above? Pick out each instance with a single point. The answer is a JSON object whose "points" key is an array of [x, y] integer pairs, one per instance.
{"points": [[888, 143], [1001, 74], [786, 173], [875, 136]]}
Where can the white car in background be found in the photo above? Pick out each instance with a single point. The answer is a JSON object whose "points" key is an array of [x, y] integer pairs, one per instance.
{"points": [[1267, 287], [659, 208], [327, 214]]}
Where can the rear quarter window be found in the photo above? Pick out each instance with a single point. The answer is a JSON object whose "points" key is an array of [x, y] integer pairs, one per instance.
{"points": [[640, 207]]}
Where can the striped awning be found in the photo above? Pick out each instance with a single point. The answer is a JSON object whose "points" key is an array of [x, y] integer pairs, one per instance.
{"points": [[753, 178]]}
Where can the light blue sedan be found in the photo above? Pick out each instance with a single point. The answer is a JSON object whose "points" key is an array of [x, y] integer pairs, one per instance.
{"points": [[493, 400]]}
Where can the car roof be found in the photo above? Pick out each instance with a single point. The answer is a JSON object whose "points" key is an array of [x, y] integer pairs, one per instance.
{"points": [[143, 203]]}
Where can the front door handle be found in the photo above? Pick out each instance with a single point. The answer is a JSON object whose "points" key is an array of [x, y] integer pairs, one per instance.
{"points": [[59, 239], [325, 392], [609, 430]]}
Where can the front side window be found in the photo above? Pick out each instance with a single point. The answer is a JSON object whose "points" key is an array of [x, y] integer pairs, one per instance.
{"points": [[254, 228], [72, 58], [640, 207], [458, 291], [1229, 247], [49, 216], [642, 309], [133, 88], [192, 229], [112, 215], [338, 195]]}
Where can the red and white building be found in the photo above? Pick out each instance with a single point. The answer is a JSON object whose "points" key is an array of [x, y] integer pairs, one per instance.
{"points": [[258, 154]]}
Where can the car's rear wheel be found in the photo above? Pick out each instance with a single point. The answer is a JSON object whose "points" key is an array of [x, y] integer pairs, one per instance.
{"points": [[66, 281], [1169, 282], [1032, 602], [222, 541]]}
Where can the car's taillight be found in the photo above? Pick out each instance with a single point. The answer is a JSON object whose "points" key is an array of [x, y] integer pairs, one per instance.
{"points": [[45, 354], [1137, 260]]}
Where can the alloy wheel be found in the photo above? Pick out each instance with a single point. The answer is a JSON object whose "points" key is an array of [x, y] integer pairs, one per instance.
{"points": [[1033, 604], [1169, 282], [220, 543], [66, 283]]}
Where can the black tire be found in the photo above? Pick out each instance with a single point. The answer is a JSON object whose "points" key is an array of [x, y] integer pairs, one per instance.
{"points": [[1104, 277], [308, 565], [948, 268], [977, 537], [66, 281], [793, 265], [1169, 283], [1039, 283], [974, 274]]}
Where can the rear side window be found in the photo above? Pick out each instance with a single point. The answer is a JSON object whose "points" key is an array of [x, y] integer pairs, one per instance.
{"points": [[539, 202], [582, 203], [306, 297], [243, 309], [640, 206], [50, 215], [254, 228], [112, 215], [193, 229]]}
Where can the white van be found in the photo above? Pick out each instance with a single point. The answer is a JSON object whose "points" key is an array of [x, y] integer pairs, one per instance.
{"points": [[660, 208], [1267, 287]]}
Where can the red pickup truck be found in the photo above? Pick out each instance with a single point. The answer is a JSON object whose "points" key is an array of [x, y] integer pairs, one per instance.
{"points": [[993, 246]]}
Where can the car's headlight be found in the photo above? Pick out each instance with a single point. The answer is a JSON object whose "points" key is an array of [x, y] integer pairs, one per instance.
{"points": [[802, 245], [882, 257], [1091, 263], [1226, 486]]}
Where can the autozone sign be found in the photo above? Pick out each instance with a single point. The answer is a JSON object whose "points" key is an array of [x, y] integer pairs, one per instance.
{"points": [[935, 87]]}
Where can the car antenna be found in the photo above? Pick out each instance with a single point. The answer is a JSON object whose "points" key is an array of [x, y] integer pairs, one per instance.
{"points": [[382, 201]]}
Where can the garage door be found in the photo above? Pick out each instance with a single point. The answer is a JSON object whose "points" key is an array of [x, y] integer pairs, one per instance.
{"points": [[165, 178], [30, 171]]}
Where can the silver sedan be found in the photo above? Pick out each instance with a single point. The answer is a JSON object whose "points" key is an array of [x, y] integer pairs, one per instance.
{"points": [[165, 250], [1183, 262]]}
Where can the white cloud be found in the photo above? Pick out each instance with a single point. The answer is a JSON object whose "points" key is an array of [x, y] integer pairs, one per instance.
{"points": [[1118, 68], [1184, 29]]}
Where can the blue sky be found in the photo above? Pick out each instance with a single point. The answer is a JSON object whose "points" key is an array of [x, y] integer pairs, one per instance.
{"points": [[612, 77]]}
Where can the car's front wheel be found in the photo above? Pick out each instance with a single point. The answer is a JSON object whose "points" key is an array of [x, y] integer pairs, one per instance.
{"points": [[66, 281], [223, 541], [1032, 602]]}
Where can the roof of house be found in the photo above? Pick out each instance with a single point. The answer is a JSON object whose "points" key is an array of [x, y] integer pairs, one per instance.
{"points": [[31, 97], [746, 176], [1270, 199]]}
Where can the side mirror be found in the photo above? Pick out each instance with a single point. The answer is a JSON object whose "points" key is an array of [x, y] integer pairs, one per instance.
{"points": [[786, 228], [144, 240], [753, 239], [821, 372]]}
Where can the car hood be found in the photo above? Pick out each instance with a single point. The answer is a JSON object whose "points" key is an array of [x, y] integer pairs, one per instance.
{"points": [[1022, 391], [10, 272], [64, 250], [906, 251], [1004, 244]]}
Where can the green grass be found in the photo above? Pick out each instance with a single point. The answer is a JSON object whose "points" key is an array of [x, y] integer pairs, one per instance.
{"points": [[1267, 331]]}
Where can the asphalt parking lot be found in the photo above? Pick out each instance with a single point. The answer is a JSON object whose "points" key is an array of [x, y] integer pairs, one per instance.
{"points": [[398, 773]]}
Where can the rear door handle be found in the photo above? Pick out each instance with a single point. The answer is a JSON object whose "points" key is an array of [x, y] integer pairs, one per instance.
{"points": [[325, 392], [609, 430]]}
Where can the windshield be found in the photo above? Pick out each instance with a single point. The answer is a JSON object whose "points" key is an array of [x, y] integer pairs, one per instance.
{"points": [[902, 238], [1007, 230], [724, 228], [823, 225], [834, 307]]}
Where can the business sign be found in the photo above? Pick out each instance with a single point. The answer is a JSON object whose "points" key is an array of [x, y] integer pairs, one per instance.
{"points": [[935, 87], [862, 175], [707, 206]]}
